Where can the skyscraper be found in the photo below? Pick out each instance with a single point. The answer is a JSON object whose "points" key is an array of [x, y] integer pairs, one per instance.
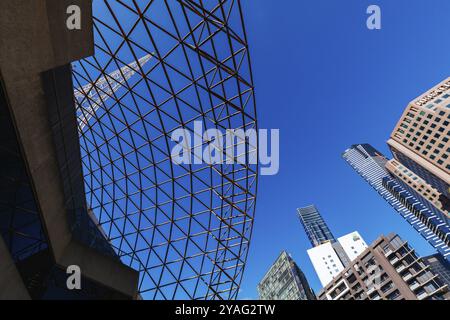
{"points": [[420, 140], [429, 195], [315, 227], [328, 256], [285, 281], [370, 164], [428, 223]]}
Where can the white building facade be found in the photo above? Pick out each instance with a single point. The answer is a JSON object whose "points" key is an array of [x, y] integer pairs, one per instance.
{"points": [[329, 259]]}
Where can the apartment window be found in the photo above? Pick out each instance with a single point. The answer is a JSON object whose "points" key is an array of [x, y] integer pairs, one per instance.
{"points": [[393, 295], [375, 296], [387, 287]]}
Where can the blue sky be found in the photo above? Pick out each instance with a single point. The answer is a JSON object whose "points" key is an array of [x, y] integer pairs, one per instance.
{"points": [[327, 82]]}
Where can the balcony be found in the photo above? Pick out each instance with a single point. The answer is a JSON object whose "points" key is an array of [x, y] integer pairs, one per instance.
{"points": [[401, 268], [422, 296], [371, 290], [414, 286], [408, 276], [395, 260]]}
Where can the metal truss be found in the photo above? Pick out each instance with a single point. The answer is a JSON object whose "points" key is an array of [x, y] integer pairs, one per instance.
{"points": [[104, 88], [186, 228]]}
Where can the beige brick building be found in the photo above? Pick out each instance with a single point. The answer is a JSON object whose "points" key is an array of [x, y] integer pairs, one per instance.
{"points": [[418, 184], [421, 139]]}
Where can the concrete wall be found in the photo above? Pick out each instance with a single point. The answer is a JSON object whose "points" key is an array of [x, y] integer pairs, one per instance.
{"points": [[12, 287], [27, 29], [33, 39]]}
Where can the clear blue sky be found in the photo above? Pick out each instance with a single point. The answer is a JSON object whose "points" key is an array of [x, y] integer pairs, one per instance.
{"points": [[327, 82]]}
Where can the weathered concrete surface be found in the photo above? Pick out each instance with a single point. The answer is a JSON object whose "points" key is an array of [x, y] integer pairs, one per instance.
{"points": [[27, 28], [33, 39], [101, 269], [34, 36], [12, 287]]}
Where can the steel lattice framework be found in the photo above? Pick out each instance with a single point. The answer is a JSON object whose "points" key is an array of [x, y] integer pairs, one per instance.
{"points": [[160, 66]]}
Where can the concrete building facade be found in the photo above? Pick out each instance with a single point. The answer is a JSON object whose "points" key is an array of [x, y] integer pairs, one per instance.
{"points": [[439, 266], [426, 191], [420, 140], [389, 269], [329, 259], [45, 226]]}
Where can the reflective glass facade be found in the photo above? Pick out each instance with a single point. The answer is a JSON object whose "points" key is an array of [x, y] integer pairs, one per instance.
{"points": [[315, 227], [285, 281], [370, 165], [431, 225]]}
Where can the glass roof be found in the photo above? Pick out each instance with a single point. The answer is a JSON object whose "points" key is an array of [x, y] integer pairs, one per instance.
{"points": [[160, 66]]}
